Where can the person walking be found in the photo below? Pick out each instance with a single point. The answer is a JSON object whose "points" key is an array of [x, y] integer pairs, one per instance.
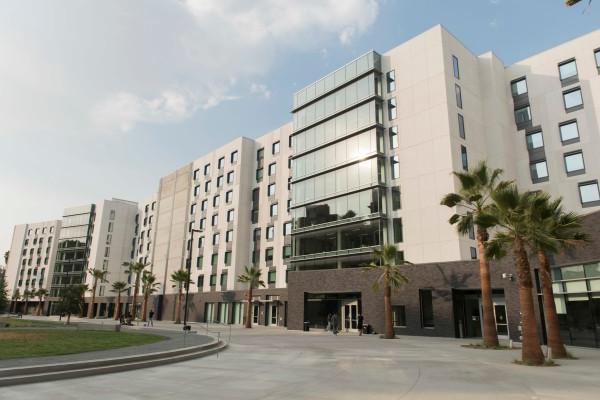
{"points": [[360, 324], [334, 324], [328, 327], [150, 318]]}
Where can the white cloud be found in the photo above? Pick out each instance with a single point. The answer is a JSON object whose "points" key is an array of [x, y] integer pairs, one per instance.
{"points": [[260, 89]]}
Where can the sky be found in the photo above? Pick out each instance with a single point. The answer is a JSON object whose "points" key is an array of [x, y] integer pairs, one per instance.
{"points": [[99, 99]]}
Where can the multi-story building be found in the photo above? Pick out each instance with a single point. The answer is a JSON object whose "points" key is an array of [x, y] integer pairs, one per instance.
{"points": [[31, 258]]}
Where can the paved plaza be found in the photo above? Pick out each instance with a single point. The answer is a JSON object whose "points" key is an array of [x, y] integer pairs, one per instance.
{"points": [[272, 363]]}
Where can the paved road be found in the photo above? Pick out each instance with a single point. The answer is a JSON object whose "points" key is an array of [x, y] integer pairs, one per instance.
{"points": [[271, 363]]}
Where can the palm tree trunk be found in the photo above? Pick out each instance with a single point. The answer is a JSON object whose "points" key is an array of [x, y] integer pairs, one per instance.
{"points": [[145, 307], [387, 308], [531, 351], [90, 311], [178, 306], [38, 309], [555, 341], [26, 304], [135, 292], [68, 318], [249, 310], [490, 334], [118, 306]]}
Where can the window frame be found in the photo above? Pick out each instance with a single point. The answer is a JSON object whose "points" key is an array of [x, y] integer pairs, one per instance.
{"points": [[530, 134], [592, 203], [514, 84], [571, 140], [536, 178], [577, 171], [577, 106], [570, 78], [455, 67], [458, 96]]}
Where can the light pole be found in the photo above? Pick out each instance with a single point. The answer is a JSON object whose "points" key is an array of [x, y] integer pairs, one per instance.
{"points": [[188, 263]]}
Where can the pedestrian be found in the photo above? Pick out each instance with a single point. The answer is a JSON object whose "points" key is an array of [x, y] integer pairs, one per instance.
{"points": [[360, 324], [334, 324], [150, 317], [328, 327], [122, 319]]}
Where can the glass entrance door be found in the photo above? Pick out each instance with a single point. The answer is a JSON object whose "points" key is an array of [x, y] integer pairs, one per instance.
{"points": [[349, 315], [501, 320], [273, 314], [255, 312]]}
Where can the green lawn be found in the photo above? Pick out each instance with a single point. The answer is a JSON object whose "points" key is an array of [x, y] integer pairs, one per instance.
{"points": [[17, 343], [24, 323]]}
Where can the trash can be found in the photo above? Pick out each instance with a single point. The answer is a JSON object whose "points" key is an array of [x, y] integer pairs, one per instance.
{"points": [[306, 326]]}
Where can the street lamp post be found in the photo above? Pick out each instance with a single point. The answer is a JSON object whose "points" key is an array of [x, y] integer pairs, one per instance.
{"points": [[186, 327]]}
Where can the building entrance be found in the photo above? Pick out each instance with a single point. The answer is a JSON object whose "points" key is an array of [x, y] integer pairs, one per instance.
{"points": [[468, 313], [347, 306]]}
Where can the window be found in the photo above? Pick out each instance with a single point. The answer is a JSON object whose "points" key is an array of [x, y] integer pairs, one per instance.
{"points": [[200, 282], [391, 105], [390, 78], [213, 280], [271, 190], [473, 251], [464, 158], [223, 280], [230, 176], [107, 252], [259, 174], [196, 174], [229, 196], [204, 205], [270, 232], [269, 254], [201, 242], [589, 193], [256, 234], [522, 115], [199, 262], [399, 316], [569, 132], [272, 169], [574, 163], [393, 132], [471, 232], [597, 56], [227, 259], [395, 166], [260, 154], [215, 220], [216, 200], [254, 216], [206, 186], [426, 301], [539, 171], [534, 140], [455, 67], [220, 181], [112, 215], [221, 163], [458, 94], [196, 190], [461, 126], [271, 276], [275, 148], [207, 169], [229, 236], [234, 157], [273, 210], [214, 260], [215, 240], [572, 99], [398, 235], [193, 208], [287, 251], [287, 228], [567, 69], [202, 223], [230, 214], [518, 87]]}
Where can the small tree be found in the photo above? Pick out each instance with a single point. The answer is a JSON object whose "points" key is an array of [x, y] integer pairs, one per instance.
{"points": [[136, 269], [179, 278], [72, 300], [389, 276], [40, 294], [118, 288], [251, 277], [16, 297], [97, 275], [3, 291], [27, 294], [149, 287]]}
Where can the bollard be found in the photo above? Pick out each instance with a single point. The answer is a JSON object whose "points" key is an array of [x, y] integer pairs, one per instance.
{"points": [[549, 354], [510, 344]]}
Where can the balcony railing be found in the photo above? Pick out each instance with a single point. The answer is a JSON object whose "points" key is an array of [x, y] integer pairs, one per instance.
{"points": [[335, 253], [340, 222]]}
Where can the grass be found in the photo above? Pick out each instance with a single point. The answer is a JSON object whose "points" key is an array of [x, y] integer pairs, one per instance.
{"points": [[25, 323], [51, 342]]}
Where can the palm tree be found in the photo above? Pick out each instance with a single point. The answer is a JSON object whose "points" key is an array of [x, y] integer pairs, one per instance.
{"points": [[118, 288], [179, 278], [135, 268], [40, 294], [570, 3], [552, 230], [16, 297], [389, 276], [26, 295], [251, 276], [472, 201], [511, 213], [97, 275], [149, 286]]}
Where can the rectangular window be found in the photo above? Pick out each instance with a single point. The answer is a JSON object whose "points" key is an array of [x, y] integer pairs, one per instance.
{"points": [[464, 158], [269, 254], [567, 69], [473, 251], [455, 67], [221, 163], [229, 236], [572, 99], [107, 252], [271, 190], [201, 242], [220, 181], [196, 174], [216, 200], [535, 140], [426, 301], [458, 94], [230, 214], [271, 277], [199, 262], [518, 87], [275, 148], [223, 279], [234, 157], [399, 316], [398, 234], [287, 251], [391, 105], [256, 234], [214, 259], [213, 280], [200, 282], [522, 115], [589, 193], [393, 132], [260, 154], [204, 205], [539, 171], [390, 78], [569, 132], [193, 208], [229, 196], [574, 163], [228, 258], [214, 220], [395, 167], [207, 169], [272, 169], [215, 240], [206, 186], [270, 232], [597, 56], [202, 223], [273, 210], [190, 226], [287, 228], [461, 126], [230, 176], [259, 174], [396, 201]]}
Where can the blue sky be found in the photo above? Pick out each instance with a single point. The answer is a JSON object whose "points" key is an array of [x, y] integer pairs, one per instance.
{"points": [[100, 99]]}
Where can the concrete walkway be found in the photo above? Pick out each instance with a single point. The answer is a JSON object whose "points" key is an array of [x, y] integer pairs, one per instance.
{"points": [[272, 363]]}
